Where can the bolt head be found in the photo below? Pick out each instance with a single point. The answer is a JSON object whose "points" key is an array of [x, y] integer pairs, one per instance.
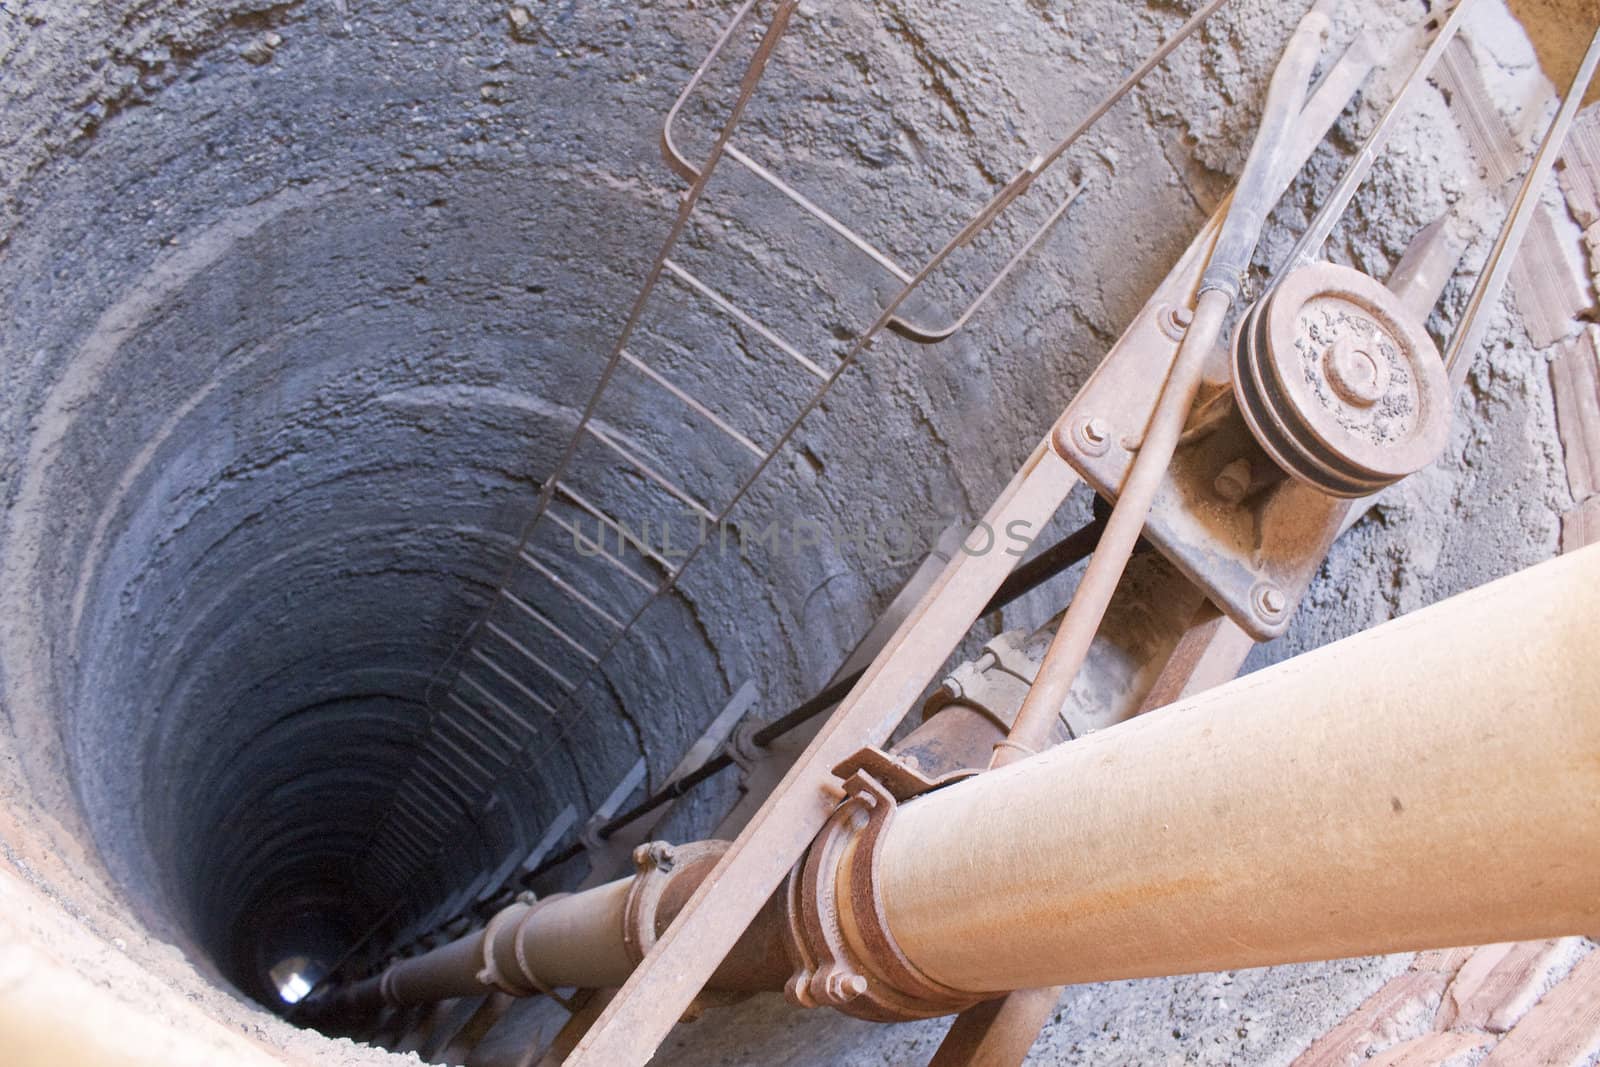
{"points": [[1270, 600], [1094, 435], [1233, 481], [1356, 375], [845, 987]]}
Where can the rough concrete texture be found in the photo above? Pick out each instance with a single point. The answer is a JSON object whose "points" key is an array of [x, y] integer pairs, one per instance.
{"points": [[305, 298]]}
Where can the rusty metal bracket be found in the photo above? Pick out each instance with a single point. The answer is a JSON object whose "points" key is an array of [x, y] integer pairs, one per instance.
{"points": [[848, 959], [903, 780], [1251, 550]]}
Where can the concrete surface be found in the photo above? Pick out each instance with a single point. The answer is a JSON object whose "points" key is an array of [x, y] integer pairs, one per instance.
{"points": [[305, 296]]}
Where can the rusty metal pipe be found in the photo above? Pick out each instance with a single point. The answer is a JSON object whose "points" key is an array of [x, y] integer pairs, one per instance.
{"points": [[1428, 783], [593, 939]]}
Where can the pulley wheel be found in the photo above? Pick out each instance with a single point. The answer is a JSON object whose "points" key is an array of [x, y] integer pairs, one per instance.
{"points": [[1341, 387]]}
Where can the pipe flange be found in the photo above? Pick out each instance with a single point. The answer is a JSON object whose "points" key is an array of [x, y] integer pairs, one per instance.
{"points": [[661, 866], [386, 989], [505, 974], [1339, 384], [864, 974]]}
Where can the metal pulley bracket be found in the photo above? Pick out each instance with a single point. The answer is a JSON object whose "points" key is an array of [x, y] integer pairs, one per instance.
{"points": [[1254, 554], [1228, 514]]}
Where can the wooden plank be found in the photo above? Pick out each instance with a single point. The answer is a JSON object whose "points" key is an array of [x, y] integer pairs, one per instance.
{"points": [[1475, 112], [1551, 289], [1579, 171], [1497, 986], [1438, 1049], [1581, 525], [1445, 960], [1575, 379], [1563, 1028]]}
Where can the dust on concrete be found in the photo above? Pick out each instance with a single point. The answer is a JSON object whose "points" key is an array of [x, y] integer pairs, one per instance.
{"points": [[451, 185]]}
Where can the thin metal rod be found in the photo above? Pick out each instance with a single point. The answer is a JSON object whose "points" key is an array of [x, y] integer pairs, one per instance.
{"points": [[533, 613], [1309, 246], [528, 654], [479, 743], [495, 702], [567, 587], [692, 404], [510, 679], [640, 544], [734, 311], [633, 460], [861, 244], [596, 547], [1492, 279], [904, 327]]}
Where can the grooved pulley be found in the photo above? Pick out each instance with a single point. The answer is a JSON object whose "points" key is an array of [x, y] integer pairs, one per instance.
{"points": [[1338, 383]]}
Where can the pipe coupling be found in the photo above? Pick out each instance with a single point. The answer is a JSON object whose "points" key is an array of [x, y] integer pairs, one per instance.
{"points": [[846, 956], [667, 875]]}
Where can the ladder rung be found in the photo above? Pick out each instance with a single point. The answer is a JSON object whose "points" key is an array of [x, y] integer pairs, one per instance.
{"points": [[566, 587], [532, 613], [440, 784], [648, 471], [513, 682], [693, 405], [427, 821], [463, 730], [406, 832], [860, 243], [622, 531], [384, 865], [466, 735], [738, 313], [423, 820], [453, 758], [597, 548], [527, 654], [493, 701]]}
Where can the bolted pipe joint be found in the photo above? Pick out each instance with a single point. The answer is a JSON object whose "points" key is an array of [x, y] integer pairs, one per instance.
{"points": [[846, 957]]}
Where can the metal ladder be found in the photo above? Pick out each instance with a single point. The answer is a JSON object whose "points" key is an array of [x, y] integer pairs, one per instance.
{"points": [[498, 707]]}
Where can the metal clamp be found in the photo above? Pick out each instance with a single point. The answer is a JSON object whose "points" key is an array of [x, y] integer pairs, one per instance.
{"points": [[864, 973]]}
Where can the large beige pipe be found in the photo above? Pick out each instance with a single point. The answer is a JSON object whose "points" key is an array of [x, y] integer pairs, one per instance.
{"points": [[1431, 782]]}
